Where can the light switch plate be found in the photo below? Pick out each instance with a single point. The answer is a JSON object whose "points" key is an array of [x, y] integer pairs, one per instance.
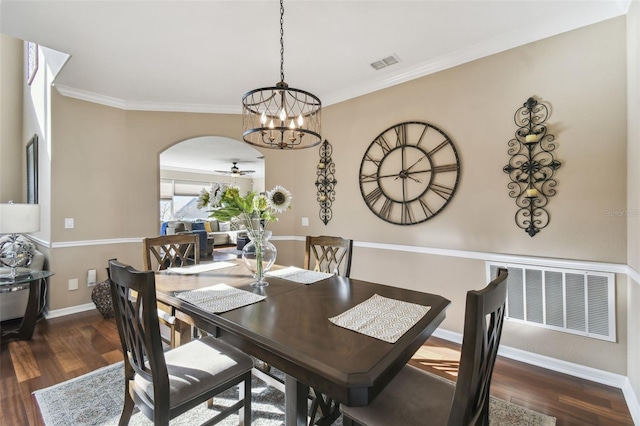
{"points": [[68, 222], [305, 221], [91, 277]]}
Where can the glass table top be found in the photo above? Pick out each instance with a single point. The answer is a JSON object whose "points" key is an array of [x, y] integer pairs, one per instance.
{"points": [[22, 280]]}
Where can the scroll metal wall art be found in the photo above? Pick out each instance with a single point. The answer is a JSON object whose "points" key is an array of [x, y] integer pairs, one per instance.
{"points": [[326, 182], [532, 167]]}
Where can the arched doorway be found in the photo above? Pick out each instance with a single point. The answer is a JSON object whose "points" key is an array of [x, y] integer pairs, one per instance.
{"points": [[193, 164]]}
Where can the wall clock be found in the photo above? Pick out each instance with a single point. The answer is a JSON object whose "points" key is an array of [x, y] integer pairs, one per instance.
{"points": [[409, 173]]}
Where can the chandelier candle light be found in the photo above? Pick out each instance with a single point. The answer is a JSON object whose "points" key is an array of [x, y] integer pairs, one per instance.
{"points": [[255, 212], [281, 116]]}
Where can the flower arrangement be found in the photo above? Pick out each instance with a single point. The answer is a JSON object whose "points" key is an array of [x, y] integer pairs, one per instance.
{"points": [[254, 210]]}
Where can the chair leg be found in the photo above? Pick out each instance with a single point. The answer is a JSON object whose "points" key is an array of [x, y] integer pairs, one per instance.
{"points": [[348, 422], [127, 409], [244, 392]]}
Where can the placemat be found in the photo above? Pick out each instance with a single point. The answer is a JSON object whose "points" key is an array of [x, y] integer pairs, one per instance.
{"points": [[201, 267], [382, 318], [219, 298], [299, 275]]}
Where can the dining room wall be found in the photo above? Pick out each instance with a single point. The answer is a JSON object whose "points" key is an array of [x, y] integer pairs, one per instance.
{"points": [[582, 76], [633, 196], [105, 171], [11, 143]]}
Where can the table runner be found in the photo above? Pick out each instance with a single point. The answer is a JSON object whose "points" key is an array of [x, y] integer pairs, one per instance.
{"points": [[202, 267], [299, 275], [219, 298], [382, 318]]}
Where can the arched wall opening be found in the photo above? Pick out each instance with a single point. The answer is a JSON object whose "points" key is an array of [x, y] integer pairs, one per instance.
{"points": [[193, 164]]}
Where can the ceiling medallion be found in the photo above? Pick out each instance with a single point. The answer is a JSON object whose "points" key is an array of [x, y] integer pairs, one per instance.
{"points": [[281, 116]]}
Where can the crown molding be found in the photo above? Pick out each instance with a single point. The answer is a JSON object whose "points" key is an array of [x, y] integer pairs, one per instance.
{"points": [[98, 98]]}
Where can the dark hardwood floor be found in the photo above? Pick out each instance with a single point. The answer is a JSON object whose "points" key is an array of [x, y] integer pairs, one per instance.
{"points": [[67, 347]]}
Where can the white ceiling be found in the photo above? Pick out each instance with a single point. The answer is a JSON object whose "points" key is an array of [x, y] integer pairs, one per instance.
{"points": [[202, 56]]}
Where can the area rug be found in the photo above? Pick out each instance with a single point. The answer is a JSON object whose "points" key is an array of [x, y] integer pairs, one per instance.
{"points": [[96, 399]]}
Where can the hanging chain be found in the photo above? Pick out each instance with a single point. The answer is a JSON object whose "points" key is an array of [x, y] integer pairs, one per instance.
{"points": [[281, 40]]}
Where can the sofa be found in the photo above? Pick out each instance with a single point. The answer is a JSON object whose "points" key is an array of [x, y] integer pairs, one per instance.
{"points": [[212, 232]]}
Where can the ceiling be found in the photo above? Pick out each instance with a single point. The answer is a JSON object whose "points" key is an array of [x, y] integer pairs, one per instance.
{"points": [[202, 56]]}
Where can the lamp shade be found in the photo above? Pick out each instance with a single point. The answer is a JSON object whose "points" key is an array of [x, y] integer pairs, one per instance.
{"points": [[19, 218]]}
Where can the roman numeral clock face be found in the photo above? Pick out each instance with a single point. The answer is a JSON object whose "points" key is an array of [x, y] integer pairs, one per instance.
{"points": [[409, 173]]}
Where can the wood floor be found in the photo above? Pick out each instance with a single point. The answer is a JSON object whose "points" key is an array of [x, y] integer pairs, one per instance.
{"points": [[66, 347]]}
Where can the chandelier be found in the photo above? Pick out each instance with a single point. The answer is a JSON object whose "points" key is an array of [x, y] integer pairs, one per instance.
{"points": [[281, 116]]}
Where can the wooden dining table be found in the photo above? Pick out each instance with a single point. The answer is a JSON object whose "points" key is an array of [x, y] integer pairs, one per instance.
{"points": [[290, 330]]}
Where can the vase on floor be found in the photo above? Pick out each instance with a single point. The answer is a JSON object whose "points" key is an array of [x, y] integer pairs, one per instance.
{"points": [[259, 255]]}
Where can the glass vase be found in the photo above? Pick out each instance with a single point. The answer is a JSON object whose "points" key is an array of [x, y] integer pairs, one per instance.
{"points": [[259, 255]]}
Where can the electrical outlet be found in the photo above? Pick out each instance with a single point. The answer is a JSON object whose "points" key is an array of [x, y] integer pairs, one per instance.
{"points": [[68, 223], [305, 221], [91, 277], [73, 284]]}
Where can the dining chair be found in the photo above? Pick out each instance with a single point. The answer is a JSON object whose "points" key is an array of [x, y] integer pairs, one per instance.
{"points": [[415, 397], [329, 254], [164, 385], [168, 251]]}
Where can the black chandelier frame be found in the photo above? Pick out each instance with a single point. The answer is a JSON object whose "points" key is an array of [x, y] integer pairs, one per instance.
{"points": [[281, 117]]}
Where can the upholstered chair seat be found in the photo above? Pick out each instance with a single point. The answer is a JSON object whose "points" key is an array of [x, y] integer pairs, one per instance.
{"points": [[398, 402], [192, 368]]}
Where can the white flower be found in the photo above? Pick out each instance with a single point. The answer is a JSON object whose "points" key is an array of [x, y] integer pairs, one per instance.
{"points": [[215, 194], [279, 199], [203, 199]]}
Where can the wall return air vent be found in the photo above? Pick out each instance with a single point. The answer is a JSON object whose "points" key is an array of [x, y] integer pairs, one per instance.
{"points": [[568, 300]]}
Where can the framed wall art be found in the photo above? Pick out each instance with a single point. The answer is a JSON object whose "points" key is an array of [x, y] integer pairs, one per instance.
{"points": [[32, 170]]}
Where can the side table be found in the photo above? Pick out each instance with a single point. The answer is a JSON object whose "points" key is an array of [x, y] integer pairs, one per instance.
{"points": [[33, 281]]}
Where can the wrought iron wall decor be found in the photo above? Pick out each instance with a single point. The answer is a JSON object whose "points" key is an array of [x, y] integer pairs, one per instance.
{"points": [[326, 182], [532, 167]]}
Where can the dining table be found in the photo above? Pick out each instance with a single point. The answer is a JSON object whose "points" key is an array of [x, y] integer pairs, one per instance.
{"points": [[290, 329]]}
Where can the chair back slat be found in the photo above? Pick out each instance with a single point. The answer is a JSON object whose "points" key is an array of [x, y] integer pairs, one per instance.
{"points": [[137, 321], [484, 318], [328, 254], [168, 251]]}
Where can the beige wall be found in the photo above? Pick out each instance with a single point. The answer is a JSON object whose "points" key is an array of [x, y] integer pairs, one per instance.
{"points": [[11, 141], [633, 192], [104, 174], [582, 75]]}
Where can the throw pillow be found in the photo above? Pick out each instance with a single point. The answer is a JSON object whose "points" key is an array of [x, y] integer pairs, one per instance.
{"points": [[235, 224], [197, 226], [224, 226], [207, 226]]}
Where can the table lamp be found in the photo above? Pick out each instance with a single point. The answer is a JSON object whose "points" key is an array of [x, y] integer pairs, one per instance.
{"points": [[16, 219]]}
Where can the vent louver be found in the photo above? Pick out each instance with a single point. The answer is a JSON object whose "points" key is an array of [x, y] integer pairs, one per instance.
{"points": [[577, 302], [386, 62]]}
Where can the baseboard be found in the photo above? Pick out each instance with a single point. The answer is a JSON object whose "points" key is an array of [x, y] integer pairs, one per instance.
{"points": [[576, 370], [71, 310], [632, 401]]}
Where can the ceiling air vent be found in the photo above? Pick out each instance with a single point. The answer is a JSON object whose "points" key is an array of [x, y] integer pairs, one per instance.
{"points": [[386, 62]]}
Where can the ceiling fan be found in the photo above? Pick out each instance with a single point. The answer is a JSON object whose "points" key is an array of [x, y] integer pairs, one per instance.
{"points": [[235, 171]]}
